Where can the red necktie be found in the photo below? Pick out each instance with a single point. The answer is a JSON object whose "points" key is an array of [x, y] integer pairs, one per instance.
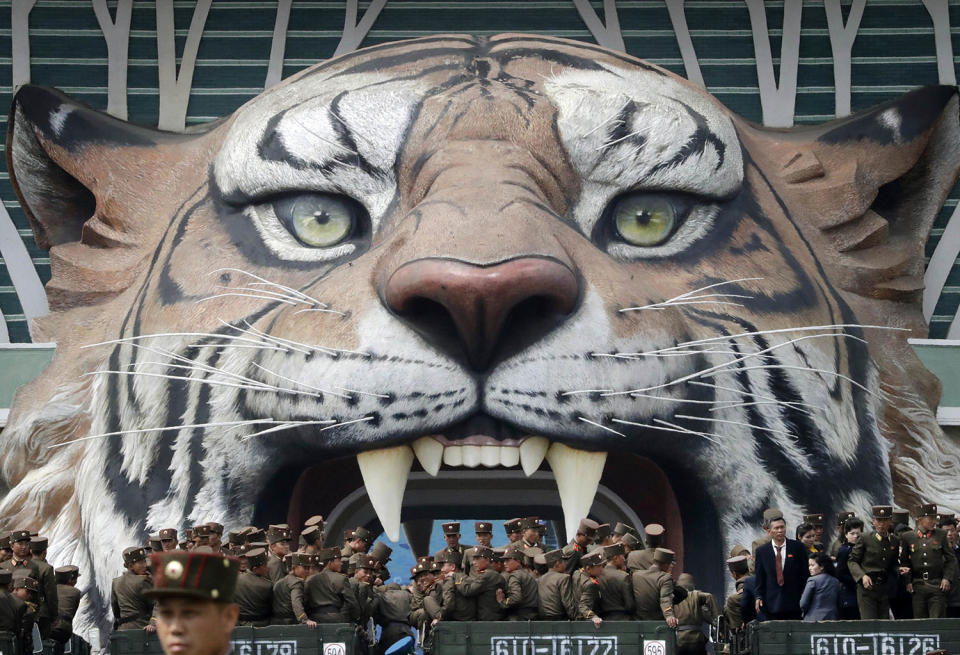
{"points": [[779, 566]]}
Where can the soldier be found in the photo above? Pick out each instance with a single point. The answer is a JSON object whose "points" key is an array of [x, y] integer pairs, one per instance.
{"points": [[451, 534], [653, 589], [586, 586], [873, 562], [168, 539], [201, 536], [310, 537], [426, 603], [215, 536], [194, 594], [38, 549], [555, 593], [842, 518], [691, 613], [641, 560], [484, 532], [381, 553], [849, 605], [324, 591], [288, 600], [278, 538], [630, 543], [358, 592], [483, 584], [254, 591], [739, 570], [928, 560], [586, 533], [22, 562], [68, 601], [616, 589], [391, 611], [530, 531], [456, 606], [621, 529], [13, 613], [357, 540], [512, 528], [521, 600], [5, 551], [949, 524], [604, 535], [26, 590], [131, 609]]}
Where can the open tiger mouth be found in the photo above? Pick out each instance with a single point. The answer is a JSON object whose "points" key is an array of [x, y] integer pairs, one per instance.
{"points": [[489, 468]]}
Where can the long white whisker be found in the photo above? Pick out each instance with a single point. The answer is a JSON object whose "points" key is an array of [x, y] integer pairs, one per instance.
{"points": [[809, 369], [325, 140], [216, 383], [752, 394], [638, 356], [616, 141], [193, 364], [741, 423], [733, 405], [602, 123], [667, 303], [715, 285], [602, 427], [330, 424], [297, 345], [262, 336], [263, 346], [688, 430], [808, 328], [191, 426], [674, 400], [319, 309], [246, 295], [299, 383], [265, 281], [275, 294], [659, 427], [156, 335], [364, 393]]}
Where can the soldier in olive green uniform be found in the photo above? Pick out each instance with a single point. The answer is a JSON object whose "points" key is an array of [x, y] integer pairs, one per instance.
{"points": [[641, 560], [739, 568], [616, 589], [357, 540], [324, 592], [698, 608], [555, 588], [22, 560], [391, 611], [254, 592], [26, 590], [289, 607], [586, 533], [484, 532], [873, 562], [358, 593], [131, 609], [483, 584], [586, 586], [513, 531], [278, 537], [928, 561], [456, 607], [521, 600], [653, 589], [68, 601], [451, 533], [13, 613]]}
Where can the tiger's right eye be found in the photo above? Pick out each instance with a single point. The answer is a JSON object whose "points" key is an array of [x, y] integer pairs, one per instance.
{"points": [[318, 220]]}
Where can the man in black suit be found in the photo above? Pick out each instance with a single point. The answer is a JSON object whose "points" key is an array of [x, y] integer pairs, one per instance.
{"points": [[781, 573]]}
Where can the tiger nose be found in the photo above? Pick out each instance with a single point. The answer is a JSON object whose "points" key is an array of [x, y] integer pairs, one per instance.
{"points": [[478, 308]]}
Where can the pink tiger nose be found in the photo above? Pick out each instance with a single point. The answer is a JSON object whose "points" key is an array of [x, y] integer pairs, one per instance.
{"points": [[477, 302]]}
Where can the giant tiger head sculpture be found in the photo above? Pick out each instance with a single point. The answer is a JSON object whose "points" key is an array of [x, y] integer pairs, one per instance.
{"points": [[476, 252]]}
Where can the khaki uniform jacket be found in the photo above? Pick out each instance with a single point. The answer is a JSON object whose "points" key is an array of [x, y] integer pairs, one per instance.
{"points": [[324, 595], [68, 602], [587, 590], [556, 595], [462, 549], [13, 615], [274, 567], [425, 607], [731, 610], [640, 560], [131, 609], [653, 594], [483, 586], [692, 612], [392, 603], [873, 554], [358, 601], [929, 555], [47, 605], [254, 595], [288, 603], [522, 602], [456, 606], [616, 593]]}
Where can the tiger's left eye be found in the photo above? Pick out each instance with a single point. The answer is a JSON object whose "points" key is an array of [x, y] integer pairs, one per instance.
{"points": [[644, 220], [318, 220]]}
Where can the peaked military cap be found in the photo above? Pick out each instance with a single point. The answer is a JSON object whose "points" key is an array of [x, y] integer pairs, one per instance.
{"points": [[38, 544], [310, 535], [315, 520], [664, 556], [515, 553], [256, 557], [450, 528], [653, 529], [843, 517], [927, 509], [154, 543], [26, 582], [381, 552], [365, 561], [168, 534], [512, 526], [772, 514], [277, 533], [595, 558], [192, 574], [739, 549], [361, 532], [303, 559], [738, 564], [603, 531], [621, 529], [133, 554], [813, 519], [588, 528], [5, 542], [630, 540], [613, 551], [202, 530], [327, 554], [882, 511], [498, 553], [483, 551], [530, 523], [64, 573], [448, 556], [419, 569], [946, 518], [19, 535], [483, 527], [901, 516], [6, 576], [215, 528], [549, 558], [184, 545], [235, 537], [188, 534]]}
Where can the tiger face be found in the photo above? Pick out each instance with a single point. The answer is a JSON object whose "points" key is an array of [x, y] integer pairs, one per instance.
{"points": [[531, 257]]}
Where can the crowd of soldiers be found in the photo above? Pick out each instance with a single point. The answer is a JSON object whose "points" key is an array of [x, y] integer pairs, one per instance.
{"points": [[605, 573]]}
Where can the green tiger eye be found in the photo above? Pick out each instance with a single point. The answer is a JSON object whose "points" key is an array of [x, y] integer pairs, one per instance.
{"points": [[321, 221], [644, 220]]}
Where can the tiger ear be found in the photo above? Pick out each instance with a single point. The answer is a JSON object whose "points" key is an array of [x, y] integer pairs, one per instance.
{"points": [[866, 189]]}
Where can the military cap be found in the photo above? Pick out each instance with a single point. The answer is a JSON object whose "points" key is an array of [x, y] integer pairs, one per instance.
{"points": [[5, 542], [882, 511], [927, 509], [569, 551], [168, 534], [483, 527], [434, 566], [531, 552], [530, 523], [483, 551], [772, 514], [302, 559], [277, 533], [315, 520], [901, 516], [215, 528], [361, 532], [738, 564], [739, 549], [19, 535], [26, 582], [595, 558], [498, 553], [653, 529], [663, 556], [310, 535], [549, 558], [6, 576], [603, 531], [419, 569], [153, 541], [193, 574], [184, 545], [188, 534], [202, 530], [588, 528], [542, 528], [258, 544], [612, 551], [365, 561], [843, 517], [133, 554], [515, 553], [235, 537], [450, 528], [946, 518], [64, 573], [512, 526], [621, 529], [813, 519], [256, 557], [38, 544], [381, 552], [328, 554], [630, 541], [254, 535], [448, 556]]}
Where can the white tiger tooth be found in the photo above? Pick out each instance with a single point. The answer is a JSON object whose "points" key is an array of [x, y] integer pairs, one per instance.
{"points": [[509, 456], [490, 456], [577, 473], [453, 456], [385, 472], [532, 452], [430, 453], [471, 456]]}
